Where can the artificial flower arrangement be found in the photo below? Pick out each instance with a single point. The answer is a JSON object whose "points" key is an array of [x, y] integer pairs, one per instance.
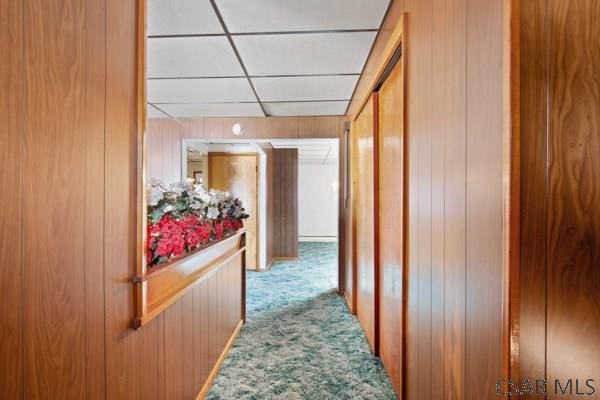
{"points": [[182, 217]]}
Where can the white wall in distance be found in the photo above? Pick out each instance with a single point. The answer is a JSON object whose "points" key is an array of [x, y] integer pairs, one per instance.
{"points": [[318, 201]]}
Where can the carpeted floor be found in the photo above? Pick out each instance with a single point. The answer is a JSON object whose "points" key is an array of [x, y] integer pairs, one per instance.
{"points": [[300, 341]]}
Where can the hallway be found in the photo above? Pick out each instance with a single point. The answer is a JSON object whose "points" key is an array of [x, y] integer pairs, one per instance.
{"points": [[300, 341]]}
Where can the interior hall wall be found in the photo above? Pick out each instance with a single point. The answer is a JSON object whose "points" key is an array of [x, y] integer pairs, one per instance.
{"points": [[318, 201], [457, 88], [285, 203], [68, 218], [556, 320]]}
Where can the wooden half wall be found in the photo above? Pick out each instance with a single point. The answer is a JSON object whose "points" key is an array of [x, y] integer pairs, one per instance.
{"points": [[458, 86]]}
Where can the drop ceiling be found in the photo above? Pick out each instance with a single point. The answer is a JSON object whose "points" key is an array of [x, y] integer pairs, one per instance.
{"points": [[237, 58]]}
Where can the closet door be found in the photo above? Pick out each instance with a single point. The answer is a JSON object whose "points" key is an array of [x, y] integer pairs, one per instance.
{"points": [[391, 158], [364, 137]]}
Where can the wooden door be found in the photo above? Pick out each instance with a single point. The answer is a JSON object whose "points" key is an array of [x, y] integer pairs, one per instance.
{"points": [[391, 158], [364, 137], [238, 174]]}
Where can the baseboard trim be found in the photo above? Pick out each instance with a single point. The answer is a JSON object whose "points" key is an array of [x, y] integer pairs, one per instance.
{"points": [[268, 267], [348, 303], [322, 239], [215, 371]]}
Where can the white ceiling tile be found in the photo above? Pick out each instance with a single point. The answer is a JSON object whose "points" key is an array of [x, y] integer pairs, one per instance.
{"points": [[301, 54], [200, 90], [181, 17], [191, 57], [213, 110], [306, 108], [153, 112], [304, 15], [338, 87]]}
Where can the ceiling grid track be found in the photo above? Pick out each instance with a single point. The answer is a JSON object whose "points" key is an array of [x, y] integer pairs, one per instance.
{"points": [[237, 54], [230, 58]]}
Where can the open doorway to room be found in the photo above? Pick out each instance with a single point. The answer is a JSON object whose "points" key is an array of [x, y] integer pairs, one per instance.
{"points": [[290, 189]]}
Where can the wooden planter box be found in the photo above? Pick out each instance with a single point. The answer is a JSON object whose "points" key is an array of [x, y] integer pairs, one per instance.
{"points": [[163, 285]]}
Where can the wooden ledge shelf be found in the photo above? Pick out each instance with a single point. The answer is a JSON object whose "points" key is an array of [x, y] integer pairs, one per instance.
{"points": [[165, 284]]}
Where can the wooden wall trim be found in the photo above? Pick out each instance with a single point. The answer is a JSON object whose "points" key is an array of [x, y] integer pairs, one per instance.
{"points": [[512, 182], [381, 61], [376, 216], [140, 151]]}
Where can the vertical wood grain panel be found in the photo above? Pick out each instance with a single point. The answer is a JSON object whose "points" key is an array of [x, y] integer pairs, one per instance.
{"points": [[213, 321], [419, 77], [174, 371], [187, 346], [270, 206], [163, 150], [205, 364], [532, 274], [365, 234], [197, 316], [285, 187], [53, 170], [449, 124], [161, 384], [573, 220], [95, 377], [124, 374], [484, 197], [238, 174], [391, 222], [11, 131], [318, 127]]}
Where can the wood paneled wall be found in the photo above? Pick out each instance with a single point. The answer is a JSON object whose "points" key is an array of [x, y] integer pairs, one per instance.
{"points": [[164, 149], [164, 136], [263, 128], [68, 218], [556, 321], [455, 319], [238, 174], [285, 203]]}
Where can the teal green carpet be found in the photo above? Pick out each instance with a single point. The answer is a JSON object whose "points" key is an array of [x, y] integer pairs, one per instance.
{"points": [[300, 341]]}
